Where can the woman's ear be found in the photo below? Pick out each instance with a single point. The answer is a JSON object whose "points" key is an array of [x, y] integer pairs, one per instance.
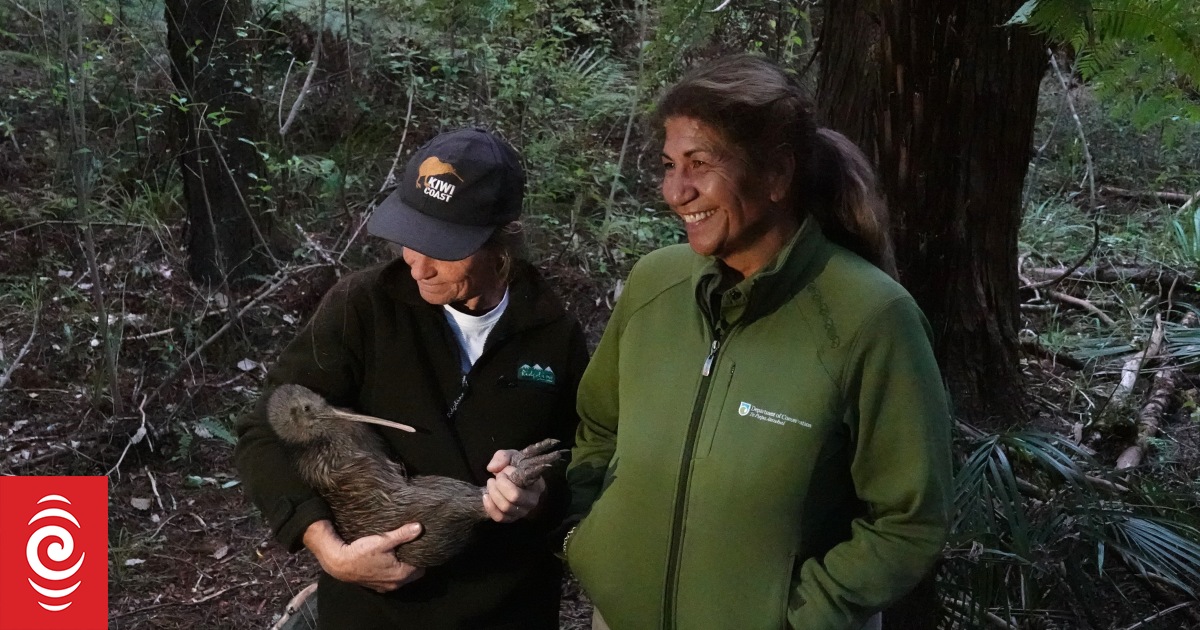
{"points": [[779, 179]]}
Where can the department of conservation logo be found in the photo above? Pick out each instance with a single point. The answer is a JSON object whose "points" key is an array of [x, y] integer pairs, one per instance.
{"points": [[774, 417], [536, 373]]}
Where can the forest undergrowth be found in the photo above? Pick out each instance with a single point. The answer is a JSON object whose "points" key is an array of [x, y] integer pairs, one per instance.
{"points": [[1084, 515]]}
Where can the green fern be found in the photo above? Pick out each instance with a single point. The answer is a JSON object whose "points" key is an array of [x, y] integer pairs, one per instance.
{"points": [[218, 430], [1144, 53], [1035, 528]]}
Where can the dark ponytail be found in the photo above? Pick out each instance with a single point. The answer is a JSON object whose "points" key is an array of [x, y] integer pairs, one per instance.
{"points": [[757, 108], [848, 204]]}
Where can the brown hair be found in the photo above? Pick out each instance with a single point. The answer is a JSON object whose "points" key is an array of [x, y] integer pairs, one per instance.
{"points": [[757, 108], [507, 243]]}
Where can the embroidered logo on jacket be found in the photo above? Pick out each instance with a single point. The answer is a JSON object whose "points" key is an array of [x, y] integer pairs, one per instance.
{"points": [[536, 373], [774, 417]]}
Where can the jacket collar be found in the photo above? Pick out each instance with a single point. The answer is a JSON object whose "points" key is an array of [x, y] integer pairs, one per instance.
{"points": [[792, 269]]}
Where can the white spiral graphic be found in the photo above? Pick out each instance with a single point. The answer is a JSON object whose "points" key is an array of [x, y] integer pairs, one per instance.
{"points": [[59, 551]]}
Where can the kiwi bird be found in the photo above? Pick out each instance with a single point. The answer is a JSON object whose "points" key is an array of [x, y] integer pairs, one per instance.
{"points": [[346, 463]]}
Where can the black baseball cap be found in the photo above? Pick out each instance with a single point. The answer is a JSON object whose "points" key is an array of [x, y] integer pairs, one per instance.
{"points": [[456, 191]]}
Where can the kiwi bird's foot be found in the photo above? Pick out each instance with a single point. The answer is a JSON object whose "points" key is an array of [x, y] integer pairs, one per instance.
{"points": [[536, 449], [531, 461]]}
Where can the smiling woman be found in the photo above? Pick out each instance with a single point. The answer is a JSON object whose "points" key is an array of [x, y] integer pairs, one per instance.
{"points": [[794, 429], [731, 211]]}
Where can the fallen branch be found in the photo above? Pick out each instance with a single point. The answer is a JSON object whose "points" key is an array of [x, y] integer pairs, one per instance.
{"points": [[1133, 366], [136, 438], [1107, 273], [1166, 197], [1084, 304], [190, 602], [166, 331], [1151, 415], [12, 367], [295, 605], [1158, 614], [1187, 204], [1148, 419]]}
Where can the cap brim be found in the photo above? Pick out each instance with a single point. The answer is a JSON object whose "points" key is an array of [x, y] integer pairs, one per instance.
{"points": [[397, 222]]}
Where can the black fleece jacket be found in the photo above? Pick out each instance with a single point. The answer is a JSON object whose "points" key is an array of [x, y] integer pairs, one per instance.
{"points": [[375, 346]]}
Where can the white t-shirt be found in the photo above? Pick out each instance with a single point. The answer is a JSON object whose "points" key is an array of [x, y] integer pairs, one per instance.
{"points": [[471, 331]]}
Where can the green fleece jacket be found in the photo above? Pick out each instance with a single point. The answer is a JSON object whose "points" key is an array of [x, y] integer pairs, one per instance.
{"points": [[773, 455], [374, 345]]}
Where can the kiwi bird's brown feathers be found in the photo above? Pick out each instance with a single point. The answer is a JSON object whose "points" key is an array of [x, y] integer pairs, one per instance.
{"points": [[346, 463]]}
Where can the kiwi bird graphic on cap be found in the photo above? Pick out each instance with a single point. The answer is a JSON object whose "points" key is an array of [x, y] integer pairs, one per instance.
{"points": [[432, 167]]}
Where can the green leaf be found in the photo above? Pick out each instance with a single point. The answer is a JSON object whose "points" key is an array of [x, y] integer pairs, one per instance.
{"points": [[1023, 13]]}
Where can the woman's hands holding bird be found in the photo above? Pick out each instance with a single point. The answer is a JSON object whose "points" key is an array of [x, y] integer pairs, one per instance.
{"points": [[368, 561]]}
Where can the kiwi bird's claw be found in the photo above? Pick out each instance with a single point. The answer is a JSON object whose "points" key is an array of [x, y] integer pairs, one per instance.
{"points": [[530, 468], [535, 449]]}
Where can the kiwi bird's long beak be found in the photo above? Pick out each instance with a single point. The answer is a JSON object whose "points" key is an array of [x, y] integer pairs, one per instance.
{"points": [[358, 417]]}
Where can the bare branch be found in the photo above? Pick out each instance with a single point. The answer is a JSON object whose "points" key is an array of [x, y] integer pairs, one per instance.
{"points": [[317, 248], [1158, 614], [1090, 175], [1187, 204], [1152, 413], [12, 367], [136, 438], [1133, 367], [1084, 304], [388, 181], [316, 58], [190, 602], [1164, 196]]}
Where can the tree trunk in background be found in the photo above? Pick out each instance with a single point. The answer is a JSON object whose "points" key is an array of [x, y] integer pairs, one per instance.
{"points": [[210, 69], [946, 103]]}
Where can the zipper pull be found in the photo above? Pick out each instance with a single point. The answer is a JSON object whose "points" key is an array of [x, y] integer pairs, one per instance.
{"points": [[712, 354]]}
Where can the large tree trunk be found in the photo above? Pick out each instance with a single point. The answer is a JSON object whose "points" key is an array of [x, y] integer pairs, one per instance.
{"points": [[947, 107], [210, 68]]}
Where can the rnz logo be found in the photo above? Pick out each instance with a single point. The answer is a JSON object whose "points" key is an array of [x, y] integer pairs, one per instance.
{"points": [[54, 547], [61, 550]]}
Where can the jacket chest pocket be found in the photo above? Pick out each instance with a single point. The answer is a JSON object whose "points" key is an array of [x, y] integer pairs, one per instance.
{"points": [[758, 405]]}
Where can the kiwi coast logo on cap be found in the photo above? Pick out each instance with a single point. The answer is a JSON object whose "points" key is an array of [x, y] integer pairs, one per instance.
{"points": [[431, 176]]}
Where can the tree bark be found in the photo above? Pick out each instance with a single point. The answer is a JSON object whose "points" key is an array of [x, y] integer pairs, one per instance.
{"points": [[947, 105], [210, 69]]}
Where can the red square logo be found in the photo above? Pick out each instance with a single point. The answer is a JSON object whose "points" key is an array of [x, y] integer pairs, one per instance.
{"points": [[53, 553]]}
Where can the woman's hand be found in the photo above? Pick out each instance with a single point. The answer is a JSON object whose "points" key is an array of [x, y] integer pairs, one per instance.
{"points": [[504, 501], [368, 561]]}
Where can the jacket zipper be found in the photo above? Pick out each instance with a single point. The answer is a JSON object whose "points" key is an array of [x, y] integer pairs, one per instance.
{"points": [[458, 441], [681, 490]]}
